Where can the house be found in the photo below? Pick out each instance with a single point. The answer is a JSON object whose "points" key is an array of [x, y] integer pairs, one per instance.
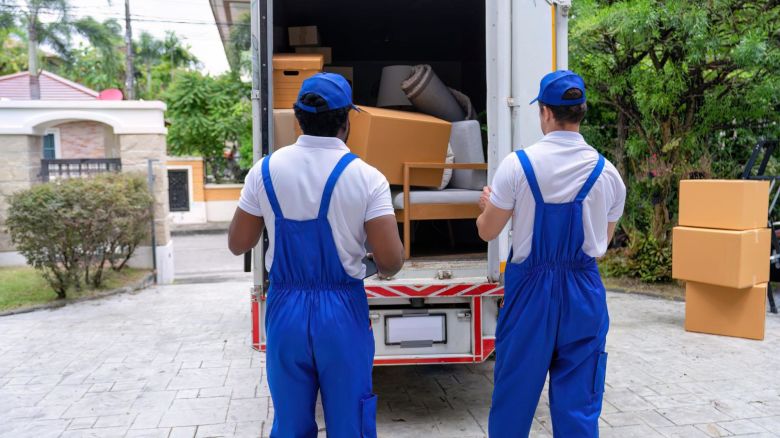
{"points": [[74, 132], [72, 139]]}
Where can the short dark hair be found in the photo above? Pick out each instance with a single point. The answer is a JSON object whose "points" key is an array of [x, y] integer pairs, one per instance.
{"points": [[568, 113], [323, 124]]}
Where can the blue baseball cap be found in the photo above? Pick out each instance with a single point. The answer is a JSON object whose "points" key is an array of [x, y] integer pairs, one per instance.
{"points": [[331, 87], [555, 84]]}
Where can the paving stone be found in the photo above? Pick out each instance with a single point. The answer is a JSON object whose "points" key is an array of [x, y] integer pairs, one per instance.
{"points": [[741, 427], [197, 411], [247, 409], [82, 423], [661, 381], [183, 432], [148, 433], [115, 421], [694, 415]]}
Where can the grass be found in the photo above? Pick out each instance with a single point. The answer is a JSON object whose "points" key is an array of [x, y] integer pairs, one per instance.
{"points": [[22, 287], [673, 290]]}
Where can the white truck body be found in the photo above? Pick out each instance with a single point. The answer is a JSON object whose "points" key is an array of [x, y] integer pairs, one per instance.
{"points": [[440, 310]]}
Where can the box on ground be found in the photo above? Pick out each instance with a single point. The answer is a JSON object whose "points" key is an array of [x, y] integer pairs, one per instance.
{"points": [[386, 139], [737, 259], [290, 70], [724, 204], [303, 36], [326, 52], [725, 311], [286, 128], [347, 72]]}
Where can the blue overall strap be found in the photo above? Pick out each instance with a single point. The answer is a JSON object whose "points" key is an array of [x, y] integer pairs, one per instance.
{"points": [[530, 176], [591, 180], [331, 183], [269, 188]]}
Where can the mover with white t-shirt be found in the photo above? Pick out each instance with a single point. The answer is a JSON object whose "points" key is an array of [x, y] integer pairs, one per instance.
{"points": [[320, 204], [564, 200]]}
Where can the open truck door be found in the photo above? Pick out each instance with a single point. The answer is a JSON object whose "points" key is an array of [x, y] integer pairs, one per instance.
{"points": [[436, 310]]}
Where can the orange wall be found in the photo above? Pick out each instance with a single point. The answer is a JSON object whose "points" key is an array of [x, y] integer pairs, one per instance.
{"points": [[223, 192]]}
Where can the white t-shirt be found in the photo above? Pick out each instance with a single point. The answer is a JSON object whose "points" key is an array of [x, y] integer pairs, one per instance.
{"points": [[562, 161], [299, 173]]}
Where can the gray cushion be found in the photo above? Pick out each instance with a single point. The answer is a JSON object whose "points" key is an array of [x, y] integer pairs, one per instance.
{"points": [[446, 196], [466, 143]]}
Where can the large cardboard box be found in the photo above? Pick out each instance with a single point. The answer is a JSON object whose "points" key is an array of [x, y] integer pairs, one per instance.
{"points": [[303, 36], [290, 70], [326, 52], [724, 204], [724, 311], [386, 139], [736, 259], [286, 128]]}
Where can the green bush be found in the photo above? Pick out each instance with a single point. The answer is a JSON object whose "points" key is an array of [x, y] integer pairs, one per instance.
{"points": [[71, 230]]}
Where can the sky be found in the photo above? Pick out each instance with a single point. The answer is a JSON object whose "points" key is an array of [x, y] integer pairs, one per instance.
{"points": [[191, 20]]}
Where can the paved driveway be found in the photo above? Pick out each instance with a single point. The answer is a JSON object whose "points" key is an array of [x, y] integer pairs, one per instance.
{"points": [[175, 361]]}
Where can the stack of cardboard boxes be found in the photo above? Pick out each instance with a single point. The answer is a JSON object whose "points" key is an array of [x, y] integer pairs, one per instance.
{"points": [[721, 249], [381, 137]]}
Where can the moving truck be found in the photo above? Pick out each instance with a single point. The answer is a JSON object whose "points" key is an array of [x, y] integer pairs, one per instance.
{"points": [[437, 310]]}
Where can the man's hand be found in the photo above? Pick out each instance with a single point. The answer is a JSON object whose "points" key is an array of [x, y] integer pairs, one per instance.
{"points": [[485, 198]]}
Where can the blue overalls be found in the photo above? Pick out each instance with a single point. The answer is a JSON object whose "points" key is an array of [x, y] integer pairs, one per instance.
{"points": [[319, 334], [554, 319]]}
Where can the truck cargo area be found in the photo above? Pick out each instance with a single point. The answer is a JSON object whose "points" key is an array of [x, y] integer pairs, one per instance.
{"points": [[365, 37]]}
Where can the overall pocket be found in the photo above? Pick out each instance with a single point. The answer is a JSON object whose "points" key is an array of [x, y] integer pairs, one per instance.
{"points": [[600, 375], [368, 420]]}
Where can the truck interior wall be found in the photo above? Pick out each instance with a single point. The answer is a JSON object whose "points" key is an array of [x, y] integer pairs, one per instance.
{"points": [[368, 35]]}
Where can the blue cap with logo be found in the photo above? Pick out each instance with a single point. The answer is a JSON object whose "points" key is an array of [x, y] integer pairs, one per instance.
{"points": [[555, 84], [331, 87]]}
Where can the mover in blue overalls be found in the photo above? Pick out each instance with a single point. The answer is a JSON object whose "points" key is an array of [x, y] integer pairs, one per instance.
{"points": [[565, 199], [321, 205]]}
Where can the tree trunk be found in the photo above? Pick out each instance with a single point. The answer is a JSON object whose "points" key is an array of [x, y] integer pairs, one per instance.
{"points": [[129, 71], [32, 57], [148, 80]]}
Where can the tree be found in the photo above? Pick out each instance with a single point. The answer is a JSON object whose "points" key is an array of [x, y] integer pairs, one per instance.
{"points": [[99, 64], [206, 115], [149, 51], [176, 54], [676, 89], [240, 42], [55, 34], [129, 70], [12, 56]]}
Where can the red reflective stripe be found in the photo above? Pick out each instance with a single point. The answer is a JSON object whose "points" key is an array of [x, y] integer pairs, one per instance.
{"points": [[255, 323], [476, 305], [382, 292], [455, 290], [427, 360]]}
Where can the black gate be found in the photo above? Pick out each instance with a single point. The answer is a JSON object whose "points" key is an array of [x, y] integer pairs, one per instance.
{"points": [[178, 190]]}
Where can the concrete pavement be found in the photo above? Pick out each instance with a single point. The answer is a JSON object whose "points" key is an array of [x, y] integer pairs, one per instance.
{"points": [[175, 361]]}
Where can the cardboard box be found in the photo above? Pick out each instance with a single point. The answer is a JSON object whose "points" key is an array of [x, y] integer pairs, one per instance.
{"points": [[286, 128], [347, 72], [303, 36], [736, 259], [386, 139], [326, 52], [723, 204], [724, 311], [290, 70]]}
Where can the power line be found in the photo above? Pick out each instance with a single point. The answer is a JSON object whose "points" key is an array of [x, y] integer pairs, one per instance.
{"points": [[141, 18]]}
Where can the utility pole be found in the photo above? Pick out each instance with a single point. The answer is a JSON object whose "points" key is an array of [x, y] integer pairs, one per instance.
{"points": [[129, 70]]}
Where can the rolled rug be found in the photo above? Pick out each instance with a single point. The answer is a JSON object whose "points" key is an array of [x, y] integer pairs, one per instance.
{"points": [[430, 96], [465, 103]]}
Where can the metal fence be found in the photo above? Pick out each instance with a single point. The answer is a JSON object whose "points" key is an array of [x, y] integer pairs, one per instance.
{"points": [[78, 167]]}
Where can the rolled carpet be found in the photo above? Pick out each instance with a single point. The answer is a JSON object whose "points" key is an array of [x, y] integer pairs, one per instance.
{"points": [[429, 95]]}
